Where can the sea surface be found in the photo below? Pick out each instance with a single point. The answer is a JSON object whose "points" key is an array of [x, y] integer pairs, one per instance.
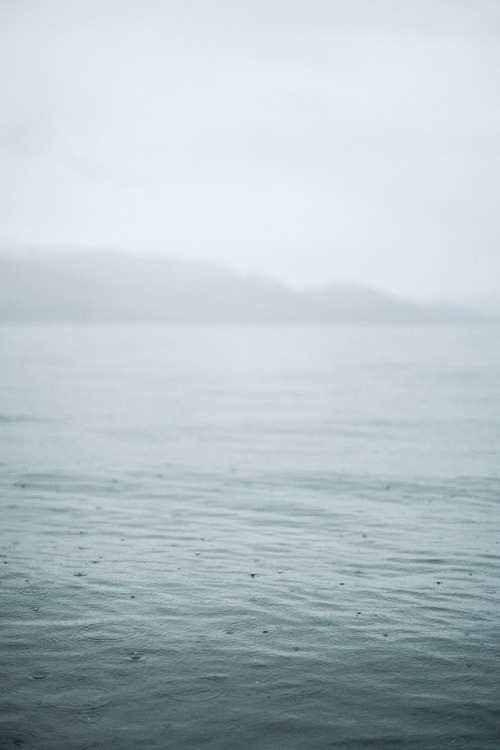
{"points": [[253, 538]]}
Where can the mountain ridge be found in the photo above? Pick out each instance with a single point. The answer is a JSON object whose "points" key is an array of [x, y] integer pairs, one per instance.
{"points": [[116, 287]]}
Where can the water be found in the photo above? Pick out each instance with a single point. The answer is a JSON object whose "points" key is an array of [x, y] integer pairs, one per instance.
{"points": [[232, 537]]}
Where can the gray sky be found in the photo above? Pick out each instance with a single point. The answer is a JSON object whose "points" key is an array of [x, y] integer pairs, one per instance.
{"points": [[310, 140]]}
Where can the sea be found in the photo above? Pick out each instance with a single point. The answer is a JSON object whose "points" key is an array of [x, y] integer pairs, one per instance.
{"points": [[246, 537]]}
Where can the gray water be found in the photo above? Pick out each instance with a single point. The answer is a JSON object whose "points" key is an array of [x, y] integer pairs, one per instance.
{"points": [[238, 537]]}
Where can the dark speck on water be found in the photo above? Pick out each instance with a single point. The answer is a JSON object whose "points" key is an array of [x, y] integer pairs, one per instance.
{"points": [[39, 675]]}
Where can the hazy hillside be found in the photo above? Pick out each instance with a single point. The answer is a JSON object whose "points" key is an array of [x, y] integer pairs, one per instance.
{"points": [[90, 287], [489, 304]]}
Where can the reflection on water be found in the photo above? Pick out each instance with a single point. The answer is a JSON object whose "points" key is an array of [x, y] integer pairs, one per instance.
{"points": [[285, 542]]}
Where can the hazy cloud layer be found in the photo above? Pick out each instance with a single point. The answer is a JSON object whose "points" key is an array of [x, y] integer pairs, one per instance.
{"points": [[327, 140]]}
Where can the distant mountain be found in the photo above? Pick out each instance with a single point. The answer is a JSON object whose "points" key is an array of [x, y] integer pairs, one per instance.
{"points": [[489, 304], [110, 287]]}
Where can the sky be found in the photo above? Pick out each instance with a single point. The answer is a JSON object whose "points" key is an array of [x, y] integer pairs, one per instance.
{"points": [[314, 141]]}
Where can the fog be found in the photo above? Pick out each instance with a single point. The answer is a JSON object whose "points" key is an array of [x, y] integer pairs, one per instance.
{"points": [[313, 142], [249, 424]]}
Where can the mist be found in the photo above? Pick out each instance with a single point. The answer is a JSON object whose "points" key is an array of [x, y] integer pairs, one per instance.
{"points": [[319, 142], [249, 374]]}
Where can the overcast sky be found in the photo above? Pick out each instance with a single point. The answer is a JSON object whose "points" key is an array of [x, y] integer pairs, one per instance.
{"points": [[311, 140]]}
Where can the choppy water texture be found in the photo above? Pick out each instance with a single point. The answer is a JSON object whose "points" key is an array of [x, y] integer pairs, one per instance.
{"points": [[250, 538]]}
